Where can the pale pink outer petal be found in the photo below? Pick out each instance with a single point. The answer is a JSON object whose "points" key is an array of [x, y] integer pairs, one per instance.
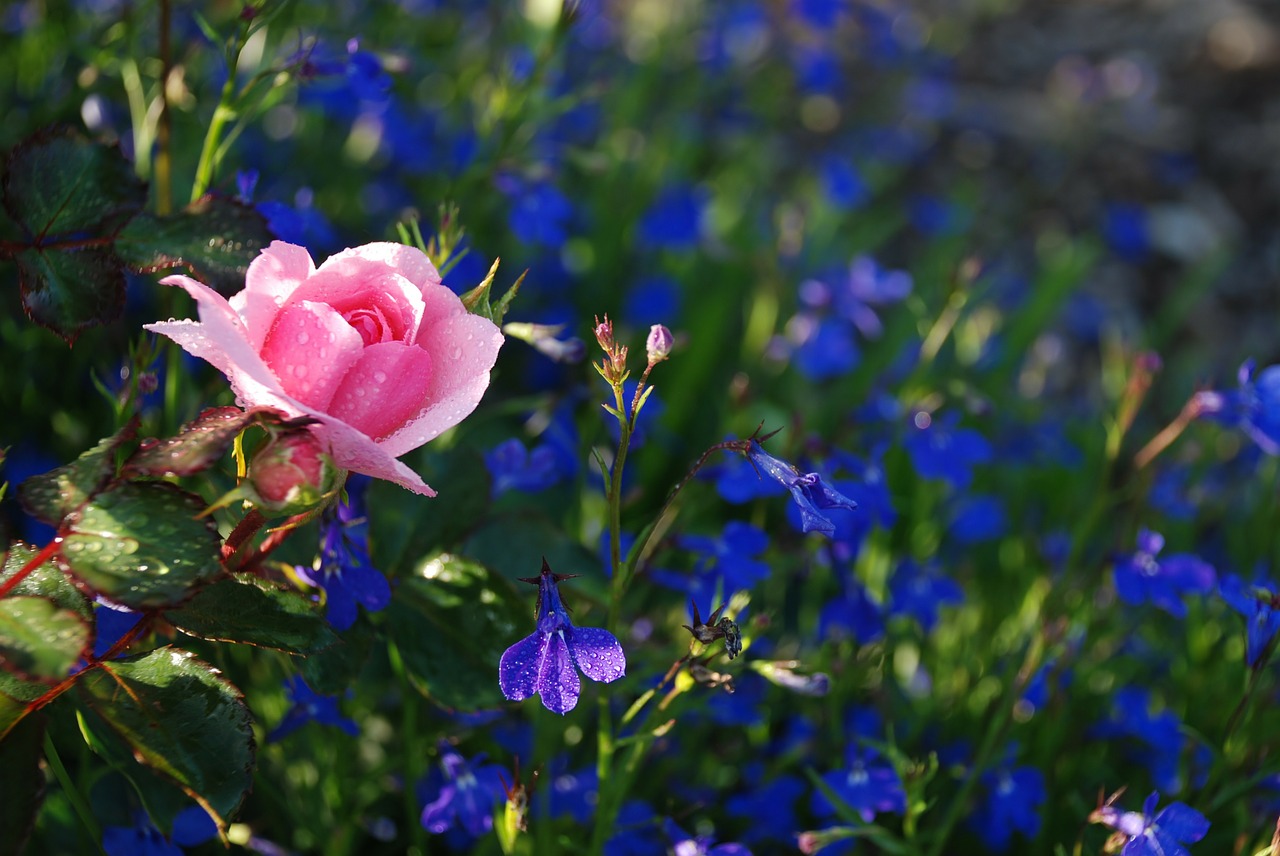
{"points": [[409, 262], [463, 349], [221, 340], [271, 278], [384, 389], [310, 350]]}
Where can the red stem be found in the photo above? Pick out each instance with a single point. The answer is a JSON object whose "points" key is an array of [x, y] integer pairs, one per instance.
{"points": [[244, 530], [50, 550]]}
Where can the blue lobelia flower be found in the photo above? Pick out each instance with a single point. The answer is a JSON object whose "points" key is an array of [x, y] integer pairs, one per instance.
{"points": [[547, 661], [309, 706], [810, 492], [1142, 577], [869, 786], [1014, 798], [1257, 603], [940, 450], [346, 572], [1150, 834], [683, 844], [920, 591], [1254, 408], [191, 827], [465, 795], [513, 467]]}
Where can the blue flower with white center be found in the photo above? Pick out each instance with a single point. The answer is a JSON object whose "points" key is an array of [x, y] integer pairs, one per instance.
{"points": [[1013, 800], [868, 786], [919, 592], [306, 705], [1254, 408], [811, 494], [1258, 606], [1143, 578], [346, 573], [465, 796], [547, 662], [1151, 834]]}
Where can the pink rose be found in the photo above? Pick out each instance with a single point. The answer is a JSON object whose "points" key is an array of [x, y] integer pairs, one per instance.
{"points": [[371, 345]]}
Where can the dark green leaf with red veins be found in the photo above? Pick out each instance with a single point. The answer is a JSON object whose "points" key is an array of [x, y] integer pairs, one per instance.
{"points": [[70, 290], [47, 581], [451, 624], [196, 446], [58, 183], [54, 495], [214, 238], [180, 718], [38, 640], [22, 785], [251, 611], [141, 544]]}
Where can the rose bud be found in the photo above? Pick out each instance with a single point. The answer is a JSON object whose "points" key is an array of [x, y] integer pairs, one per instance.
{"points": [[291, 473]]}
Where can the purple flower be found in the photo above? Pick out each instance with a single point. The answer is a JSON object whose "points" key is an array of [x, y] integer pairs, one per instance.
{"points": [[191, 827], [1148, 834], [810, 492], [1141, 577], [513, 467], [547, 661], [465, 795], [683, 844], [869, 285], [346, 572], [309, 706], [940, 450]]}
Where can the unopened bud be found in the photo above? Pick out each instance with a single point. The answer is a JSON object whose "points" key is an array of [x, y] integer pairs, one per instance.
{"points": [[658, 345], [291, 473]]}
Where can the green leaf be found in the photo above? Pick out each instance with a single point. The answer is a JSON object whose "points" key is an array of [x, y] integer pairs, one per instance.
{"points": [[22, 785], [57, 181], [451, 625], [251, 611], [54, 495], [514, 544], [110, 798], [38, 640], [337, 667], [13, 709], [182, 719], [70, 290], [214, 238], [402, 533], [46, 581], [141, 544], [199, 443]]}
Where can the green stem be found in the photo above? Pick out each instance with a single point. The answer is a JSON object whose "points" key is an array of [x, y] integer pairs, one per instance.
{"points": [[163, 161], [78, 803], [413, 753], [223, 113]]}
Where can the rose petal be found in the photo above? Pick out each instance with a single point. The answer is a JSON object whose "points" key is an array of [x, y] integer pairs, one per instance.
{"points": [[463, 350], [359, 286], [271, 278], [597, 653], [357, 452], [384, 388], [310, 350], [518, 668], [558, 682], [409, 262], [221, 340]]}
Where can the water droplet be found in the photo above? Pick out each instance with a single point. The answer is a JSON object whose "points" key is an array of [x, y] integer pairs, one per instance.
{"points": [[457, 353], [379, 377], [303, 337]]}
